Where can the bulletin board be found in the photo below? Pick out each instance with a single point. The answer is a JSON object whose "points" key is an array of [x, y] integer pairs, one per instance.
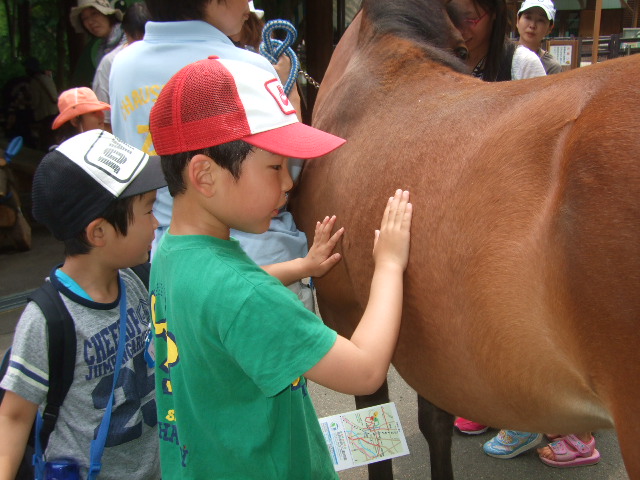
{"points": [[567, 52]]}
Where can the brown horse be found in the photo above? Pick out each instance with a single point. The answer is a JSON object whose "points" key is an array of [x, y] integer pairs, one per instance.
{"points": [[522, 301]]}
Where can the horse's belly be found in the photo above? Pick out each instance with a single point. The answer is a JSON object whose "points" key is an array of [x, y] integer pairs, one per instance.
{"points": [[517, 385]]}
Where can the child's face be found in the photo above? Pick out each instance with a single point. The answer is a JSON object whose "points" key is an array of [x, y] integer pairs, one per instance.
{"points": [[533, 25], [89, 121], [249, 203], [227, 16], [133, 248]]}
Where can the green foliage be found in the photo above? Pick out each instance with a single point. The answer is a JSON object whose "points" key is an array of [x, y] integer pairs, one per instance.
{"points": [[10, 68], [43, 22]]}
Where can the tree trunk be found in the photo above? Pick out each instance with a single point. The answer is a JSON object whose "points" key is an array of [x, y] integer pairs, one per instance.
{"points": [[24, 28], [75, 41]]}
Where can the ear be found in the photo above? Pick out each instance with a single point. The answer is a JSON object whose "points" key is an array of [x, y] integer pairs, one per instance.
{"points": [[75, 121], [202, 173], [97, 232]]}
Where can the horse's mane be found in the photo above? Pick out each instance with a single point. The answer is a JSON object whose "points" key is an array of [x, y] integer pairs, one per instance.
{"points": [[421, 21]]}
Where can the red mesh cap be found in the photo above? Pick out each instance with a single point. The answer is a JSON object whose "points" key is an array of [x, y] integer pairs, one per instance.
{"points": [[213, 101]]}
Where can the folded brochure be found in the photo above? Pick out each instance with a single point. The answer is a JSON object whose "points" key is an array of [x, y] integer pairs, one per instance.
{"points": [[364, 436]]}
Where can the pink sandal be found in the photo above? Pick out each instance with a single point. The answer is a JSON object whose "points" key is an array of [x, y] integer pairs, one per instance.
{"points": [[570, 451]]}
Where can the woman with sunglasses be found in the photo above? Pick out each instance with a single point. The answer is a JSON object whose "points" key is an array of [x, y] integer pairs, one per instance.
{"points": [[492, 56]]}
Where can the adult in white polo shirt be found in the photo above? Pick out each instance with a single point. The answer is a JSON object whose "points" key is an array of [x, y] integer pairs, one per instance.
{"points": [[181, 33]]}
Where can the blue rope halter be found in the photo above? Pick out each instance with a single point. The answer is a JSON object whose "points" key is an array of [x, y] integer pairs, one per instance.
{"points": [[273, 49]]}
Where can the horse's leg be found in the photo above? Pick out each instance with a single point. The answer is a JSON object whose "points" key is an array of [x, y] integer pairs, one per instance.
{"points": [[437, 427], [379, 470]]}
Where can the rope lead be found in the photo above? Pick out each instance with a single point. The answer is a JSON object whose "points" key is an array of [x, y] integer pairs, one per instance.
{"points": [[273, 49]]}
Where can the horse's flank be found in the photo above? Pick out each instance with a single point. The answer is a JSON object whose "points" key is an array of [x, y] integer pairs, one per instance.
{"points": [[521, 304]]}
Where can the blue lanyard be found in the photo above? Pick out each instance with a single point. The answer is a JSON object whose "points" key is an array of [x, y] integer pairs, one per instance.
{"points": [[97, 445]]}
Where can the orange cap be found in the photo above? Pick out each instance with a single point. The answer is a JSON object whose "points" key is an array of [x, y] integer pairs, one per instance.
{"points": [[75, 102]]}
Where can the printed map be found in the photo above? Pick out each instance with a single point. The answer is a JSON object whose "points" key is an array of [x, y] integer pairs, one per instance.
{"points": [[364, 436]]}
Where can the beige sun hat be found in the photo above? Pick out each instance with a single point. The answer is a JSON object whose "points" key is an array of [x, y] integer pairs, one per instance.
{"points": [[103, 6]]}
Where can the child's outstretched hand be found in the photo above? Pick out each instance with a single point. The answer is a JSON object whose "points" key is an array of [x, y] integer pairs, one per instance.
{"points": [[391, 243], [320, 258], [318, 261]]}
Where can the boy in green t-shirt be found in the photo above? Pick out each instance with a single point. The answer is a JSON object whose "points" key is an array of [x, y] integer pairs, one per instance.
{"points": [[233, 345]]}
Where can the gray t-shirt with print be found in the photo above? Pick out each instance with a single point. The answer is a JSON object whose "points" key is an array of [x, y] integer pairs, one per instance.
{"points": [[131, 449]]}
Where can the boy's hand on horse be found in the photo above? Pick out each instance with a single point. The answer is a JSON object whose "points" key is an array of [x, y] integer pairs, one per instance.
{"points": [[321, 258], [318, 261], [391, 243], [359, 365]]}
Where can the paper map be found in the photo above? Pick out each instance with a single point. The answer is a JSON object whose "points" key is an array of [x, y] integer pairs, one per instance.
{"points": [[364, 436]]}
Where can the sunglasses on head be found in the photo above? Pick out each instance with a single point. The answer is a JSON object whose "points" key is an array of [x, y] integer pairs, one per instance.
{"points": [[472, 22]]}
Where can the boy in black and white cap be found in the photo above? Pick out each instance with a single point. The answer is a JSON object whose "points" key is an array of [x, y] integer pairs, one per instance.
{"points": [[233, 345], [95, 193]]}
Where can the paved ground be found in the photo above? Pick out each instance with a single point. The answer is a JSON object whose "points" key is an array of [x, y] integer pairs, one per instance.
{"points": [[469, 461], [21, 272]]}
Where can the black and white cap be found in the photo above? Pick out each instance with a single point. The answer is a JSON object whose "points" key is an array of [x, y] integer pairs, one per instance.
{"points": [[76, 182]]}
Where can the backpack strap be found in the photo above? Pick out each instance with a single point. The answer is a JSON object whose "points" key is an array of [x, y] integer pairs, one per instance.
{"points": [[62, 354]]}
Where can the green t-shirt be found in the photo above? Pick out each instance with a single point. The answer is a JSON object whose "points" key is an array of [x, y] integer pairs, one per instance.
{"points": [[231, 346]]}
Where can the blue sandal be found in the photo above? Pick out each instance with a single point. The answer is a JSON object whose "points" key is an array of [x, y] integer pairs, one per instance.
{"points": [[511, 443]]}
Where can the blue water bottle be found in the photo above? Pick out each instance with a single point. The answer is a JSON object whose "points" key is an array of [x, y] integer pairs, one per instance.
{"points": [[62, 469]]}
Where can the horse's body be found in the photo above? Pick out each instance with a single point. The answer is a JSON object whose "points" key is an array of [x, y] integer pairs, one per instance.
{"points": [[522, 294]]}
